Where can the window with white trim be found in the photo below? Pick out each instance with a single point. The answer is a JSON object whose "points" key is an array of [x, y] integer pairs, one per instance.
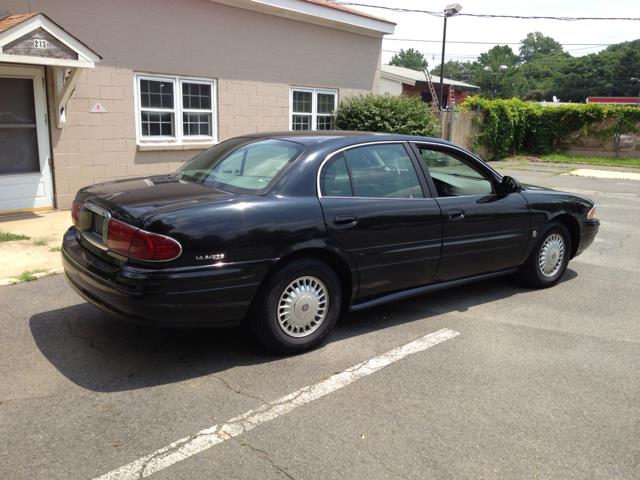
{"points": [[175, 109], [312, 108]]}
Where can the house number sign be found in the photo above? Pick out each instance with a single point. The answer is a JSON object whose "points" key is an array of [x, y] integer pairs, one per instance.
{"points": [[41, 44]]}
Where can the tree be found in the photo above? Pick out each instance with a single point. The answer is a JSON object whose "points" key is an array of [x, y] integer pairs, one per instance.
{"points": [[627, 67], [543, 70], [607, 73], [497, 56], [409, 58], [455, 70], [539, 78], [538, 45]]}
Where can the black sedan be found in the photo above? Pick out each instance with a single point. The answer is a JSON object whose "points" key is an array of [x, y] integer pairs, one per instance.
{"points": [[288, 230]]}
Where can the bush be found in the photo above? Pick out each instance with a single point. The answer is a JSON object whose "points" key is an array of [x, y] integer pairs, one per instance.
{"points": [[513, 126], [386, 113]]}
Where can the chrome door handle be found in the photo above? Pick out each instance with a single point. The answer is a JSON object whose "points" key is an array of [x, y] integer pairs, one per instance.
{"points": [[456, 214], [345, 221]]}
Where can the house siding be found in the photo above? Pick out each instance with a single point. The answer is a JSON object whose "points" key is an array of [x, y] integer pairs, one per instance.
{"points": [[255, 59]]}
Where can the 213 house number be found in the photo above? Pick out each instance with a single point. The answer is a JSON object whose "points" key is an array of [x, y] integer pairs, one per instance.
{"points": [[39, 43]]}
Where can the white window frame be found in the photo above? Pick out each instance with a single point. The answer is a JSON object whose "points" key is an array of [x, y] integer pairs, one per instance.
{"points": [[314, 105], [179, 138]]}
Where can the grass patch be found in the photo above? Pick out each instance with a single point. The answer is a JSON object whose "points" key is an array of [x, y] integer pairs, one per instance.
{"points": [[612, 162], [29, 275], [10, 237], [55, 249], [40, 242]]}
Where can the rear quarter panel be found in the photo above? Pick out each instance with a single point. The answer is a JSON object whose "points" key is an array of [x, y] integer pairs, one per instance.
{"points": [[243, 230]]}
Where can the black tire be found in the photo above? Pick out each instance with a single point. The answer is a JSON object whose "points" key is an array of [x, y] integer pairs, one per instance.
{"points": [[531, 272], [264, 321]]}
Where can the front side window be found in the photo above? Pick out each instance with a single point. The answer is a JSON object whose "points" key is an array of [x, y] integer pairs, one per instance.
{"points": [[175, 109], [378, 171], [453, 177], [312, 108], [241, 165]]}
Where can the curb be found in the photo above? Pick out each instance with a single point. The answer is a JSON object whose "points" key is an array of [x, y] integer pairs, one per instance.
{"points": [[39, 275]]}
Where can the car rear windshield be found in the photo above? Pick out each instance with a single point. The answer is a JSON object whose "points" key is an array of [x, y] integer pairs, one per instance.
{"points": [[241, 165]]}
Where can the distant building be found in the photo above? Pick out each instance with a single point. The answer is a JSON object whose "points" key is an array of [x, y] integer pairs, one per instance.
{"points": [[405, 81], [632, 101]]}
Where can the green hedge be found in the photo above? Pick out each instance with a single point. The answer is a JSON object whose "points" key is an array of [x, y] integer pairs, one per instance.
{"points": [[512, 126], [386, 113]]}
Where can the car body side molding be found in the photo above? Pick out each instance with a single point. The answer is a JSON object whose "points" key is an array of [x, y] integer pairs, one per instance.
{"points": [[434, 287]]}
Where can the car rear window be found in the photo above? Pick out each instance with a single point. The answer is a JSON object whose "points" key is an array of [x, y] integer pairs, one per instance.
{"points": [[241, 165]]}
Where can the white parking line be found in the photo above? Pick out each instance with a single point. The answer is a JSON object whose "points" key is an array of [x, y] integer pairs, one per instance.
{"points": [[207, 438], [615, 174], [595, 192]]}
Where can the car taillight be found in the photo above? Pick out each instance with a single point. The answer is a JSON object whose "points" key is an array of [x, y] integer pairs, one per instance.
{"points": [[119, 236], [140, 244], [592, 213], [75, 212]]}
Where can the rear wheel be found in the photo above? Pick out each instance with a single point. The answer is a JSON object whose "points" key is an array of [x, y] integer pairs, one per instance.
{"points": [[549, 259], [297, 307]]}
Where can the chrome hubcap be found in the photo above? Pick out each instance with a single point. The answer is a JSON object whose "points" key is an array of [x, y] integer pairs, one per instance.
{"points": [[303, 306], [551, 255]]}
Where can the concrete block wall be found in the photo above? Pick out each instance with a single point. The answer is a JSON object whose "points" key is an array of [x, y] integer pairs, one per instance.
{"points": [[98, 147], [246, 107]]}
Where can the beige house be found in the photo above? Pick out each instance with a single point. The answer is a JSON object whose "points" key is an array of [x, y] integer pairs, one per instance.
{"points": [[95, 90]]}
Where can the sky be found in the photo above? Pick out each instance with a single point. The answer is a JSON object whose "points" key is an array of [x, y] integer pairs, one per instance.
{"points": [[500, 31]]}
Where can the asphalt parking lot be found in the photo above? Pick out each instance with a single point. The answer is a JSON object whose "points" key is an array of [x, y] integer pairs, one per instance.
{"points": [[538, 384]]}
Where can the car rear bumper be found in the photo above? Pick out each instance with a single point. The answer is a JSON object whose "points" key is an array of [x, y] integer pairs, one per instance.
{"points": [[203, 296], [588, 234]]}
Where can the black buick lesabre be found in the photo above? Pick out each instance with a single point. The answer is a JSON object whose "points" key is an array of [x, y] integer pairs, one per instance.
{"points": [[288, 230]]}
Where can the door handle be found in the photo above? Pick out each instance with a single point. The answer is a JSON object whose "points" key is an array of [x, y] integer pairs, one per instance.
{"points": [[456, 214], [345, 221]]}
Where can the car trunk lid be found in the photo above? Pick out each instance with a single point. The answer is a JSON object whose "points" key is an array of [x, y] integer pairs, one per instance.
{"points": [[134, 201]]}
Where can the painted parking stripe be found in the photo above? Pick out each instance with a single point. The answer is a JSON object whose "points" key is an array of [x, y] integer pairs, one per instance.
{"points": [[209, 437], [613, 174]]}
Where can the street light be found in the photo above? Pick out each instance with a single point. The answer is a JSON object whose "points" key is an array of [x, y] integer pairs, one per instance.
{"points": [[501, 68], [449, 11]]}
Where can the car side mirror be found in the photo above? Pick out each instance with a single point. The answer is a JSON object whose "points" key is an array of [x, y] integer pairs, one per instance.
{"points": [[510, 185]]}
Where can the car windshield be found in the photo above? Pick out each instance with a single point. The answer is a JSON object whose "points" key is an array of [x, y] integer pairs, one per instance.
{"points": [[242, 165]]}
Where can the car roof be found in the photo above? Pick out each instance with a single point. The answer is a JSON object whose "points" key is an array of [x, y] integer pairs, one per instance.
{"points": [[341, 137]]}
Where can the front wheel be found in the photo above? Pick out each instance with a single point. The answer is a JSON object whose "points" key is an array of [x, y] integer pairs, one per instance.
{"points": [[549, 259], [297, 307]]}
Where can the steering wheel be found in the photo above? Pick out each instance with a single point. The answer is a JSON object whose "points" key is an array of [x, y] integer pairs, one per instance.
{"points": [[392, 167]]}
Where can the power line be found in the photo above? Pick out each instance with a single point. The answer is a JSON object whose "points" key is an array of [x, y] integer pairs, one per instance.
{"points": [[582, 48], [543, 17], [489, 43], [487, 15], [434, 54]]}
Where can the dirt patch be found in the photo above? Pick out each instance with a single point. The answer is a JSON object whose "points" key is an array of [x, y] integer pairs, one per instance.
{"points": [[22, 255], [41, 252]]}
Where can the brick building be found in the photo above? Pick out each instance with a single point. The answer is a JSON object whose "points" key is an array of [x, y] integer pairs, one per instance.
{"points": [[396, 80]]}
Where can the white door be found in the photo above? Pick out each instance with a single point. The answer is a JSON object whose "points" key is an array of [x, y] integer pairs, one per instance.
{"points": [[25, 170]]}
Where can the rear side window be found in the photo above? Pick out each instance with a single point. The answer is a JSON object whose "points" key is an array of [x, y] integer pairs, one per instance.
{"points": [[335, 180], [376, 171], [241, 165]]}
